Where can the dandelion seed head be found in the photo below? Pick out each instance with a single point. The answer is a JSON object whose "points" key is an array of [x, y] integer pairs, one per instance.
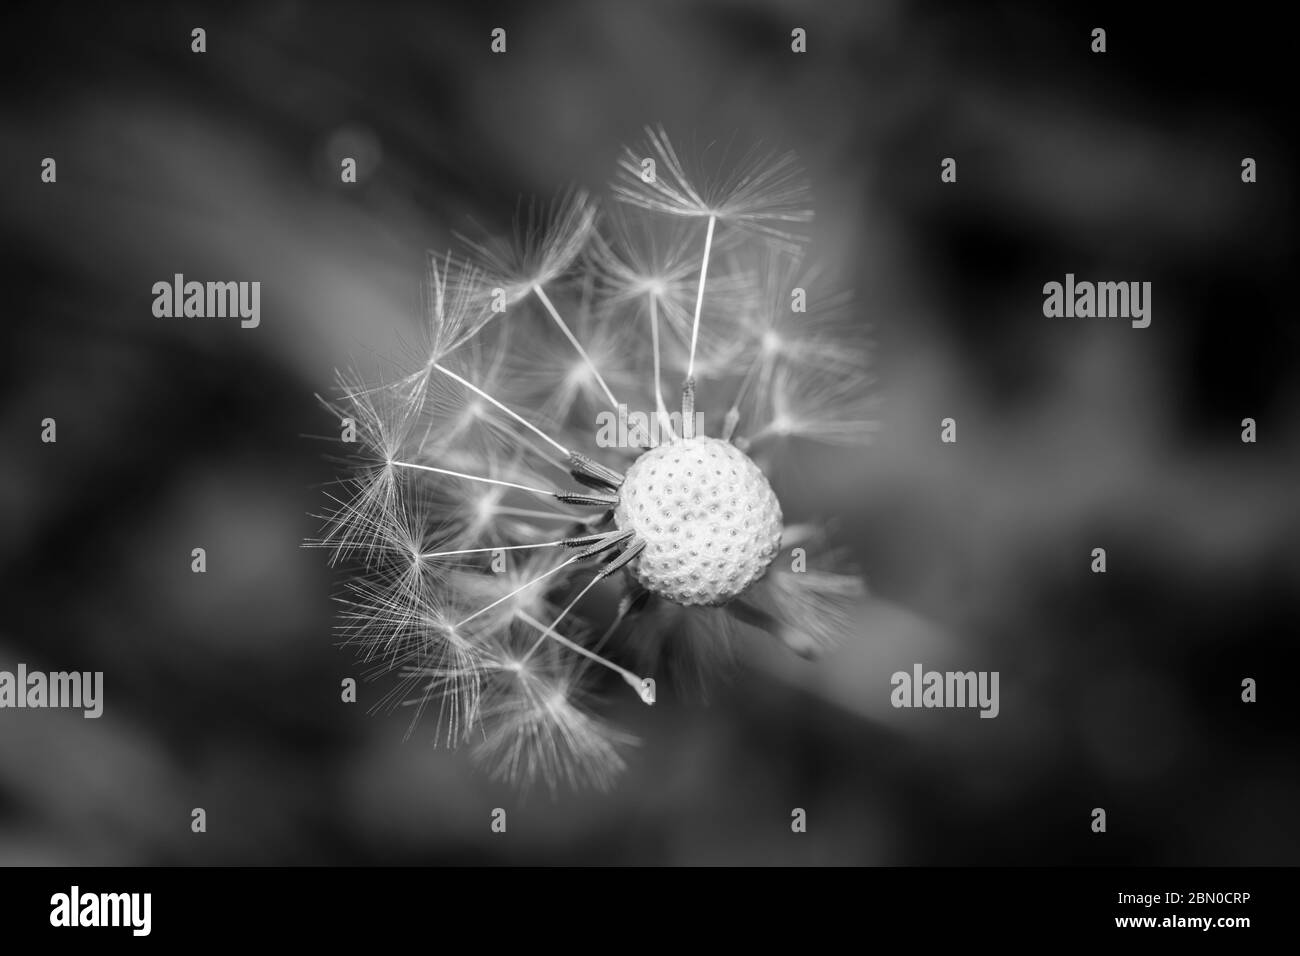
{"points": [[484, 509]]}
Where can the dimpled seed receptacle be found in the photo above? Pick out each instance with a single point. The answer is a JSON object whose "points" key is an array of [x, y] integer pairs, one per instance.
{"points": [[709, 519]]}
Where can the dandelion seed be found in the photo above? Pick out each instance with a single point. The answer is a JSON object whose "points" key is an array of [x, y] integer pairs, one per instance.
{"points": [[830, 408], [482, 515], [544, 245], [456, 304], [646, 259], [546, 242], [761, 192], [537, 726]]}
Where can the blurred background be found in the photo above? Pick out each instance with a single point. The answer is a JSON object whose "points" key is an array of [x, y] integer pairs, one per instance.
{"points": [[1119, 690]]}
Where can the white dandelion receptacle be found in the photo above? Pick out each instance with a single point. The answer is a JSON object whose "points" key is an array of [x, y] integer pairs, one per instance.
{"points": [[708, 516]]}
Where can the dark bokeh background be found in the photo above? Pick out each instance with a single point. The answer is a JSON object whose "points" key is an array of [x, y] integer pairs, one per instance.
{"points": [[1120, 691]]}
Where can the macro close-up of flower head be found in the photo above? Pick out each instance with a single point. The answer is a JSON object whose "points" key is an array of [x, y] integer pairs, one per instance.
{"points": [[572, 481], [700, 434]]}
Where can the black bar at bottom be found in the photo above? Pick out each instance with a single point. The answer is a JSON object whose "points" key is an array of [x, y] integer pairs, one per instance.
{"points": [[582, 906]]}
